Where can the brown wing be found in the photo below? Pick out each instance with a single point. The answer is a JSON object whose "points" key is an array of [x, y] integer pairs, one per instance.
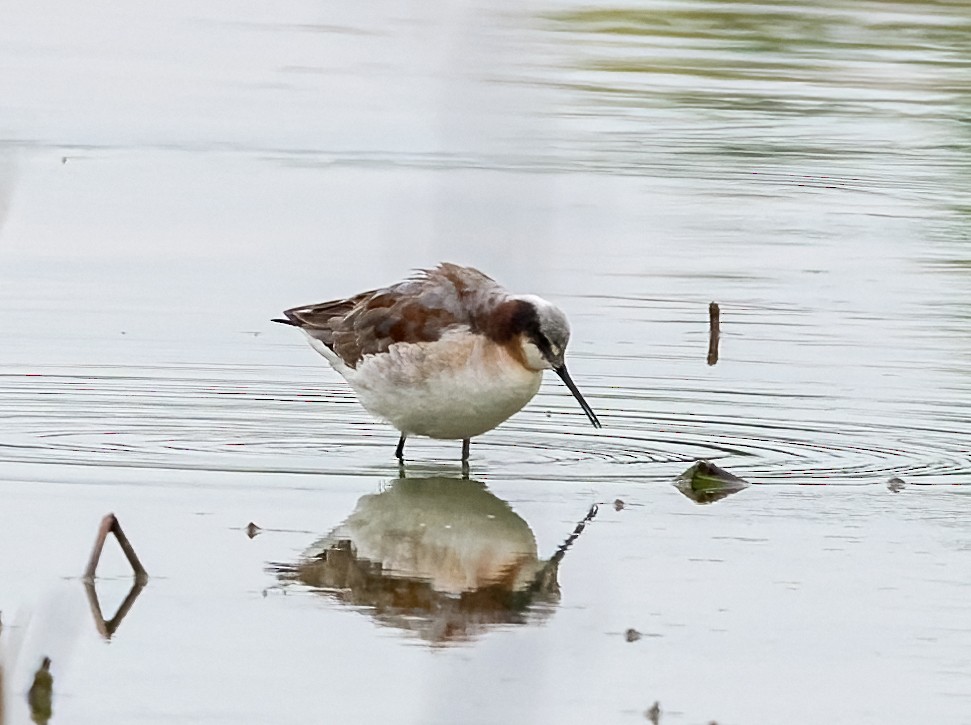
{"points": [[417, 310], [323, 315]]}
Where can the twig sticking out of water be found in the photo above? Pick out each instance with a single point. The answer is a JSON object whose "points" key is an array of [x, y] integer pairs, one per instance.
{"points": [[714, 332], [109, 524]]}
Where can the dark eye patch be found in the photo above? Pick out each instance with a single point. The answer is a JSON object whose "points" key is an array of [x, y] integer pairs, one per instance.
{"points": [[542, 344]]}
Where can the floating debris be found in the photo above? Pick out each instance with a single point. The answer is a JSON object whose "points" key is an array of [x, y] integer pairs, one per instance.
{"points": [[654, 713], [714, 332], [41, 694], [896, 485], [704, 482], [632, 635], [252, 530], [618, 504]]}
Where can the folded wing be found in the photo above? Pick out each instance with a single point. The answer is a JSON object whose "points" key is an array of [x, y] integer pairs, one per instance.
{"points": [[417, 310]]}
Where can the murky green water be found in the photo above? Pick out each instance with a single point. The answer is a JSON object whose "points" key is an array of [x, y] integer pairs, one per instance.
{"points": [[172, 177]]}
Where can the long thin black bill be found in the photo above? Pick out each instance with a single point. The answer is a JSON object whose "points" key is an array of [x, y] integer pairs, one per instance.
{"points": [[565, 377]]}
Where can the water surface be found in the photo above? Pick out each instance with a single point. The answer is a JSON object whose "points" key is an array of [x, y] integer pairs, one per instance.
{"points": [[171, 178]]}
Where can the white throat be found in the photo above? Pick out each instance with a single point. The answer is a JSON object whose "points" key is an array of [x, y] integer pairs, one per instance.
{"points": [[534, 358]]}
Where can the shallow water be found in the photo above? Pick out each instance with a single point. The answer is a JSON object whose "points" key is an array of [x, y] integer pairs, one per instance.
{"points": [[171, 178]]}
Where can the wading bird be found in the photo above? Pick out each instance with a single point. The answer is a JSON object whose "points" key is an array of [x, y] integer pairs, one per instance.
{"points": [[446, 354]]}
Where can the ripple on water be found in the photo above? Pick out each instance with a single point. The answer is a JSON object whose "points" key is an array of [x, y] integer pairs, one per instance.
{"points": [[207, 419]]}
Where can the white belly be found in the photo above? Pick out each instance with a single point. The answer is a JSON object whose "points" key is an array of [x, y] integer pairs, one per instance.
{"points": [[457, 387]]}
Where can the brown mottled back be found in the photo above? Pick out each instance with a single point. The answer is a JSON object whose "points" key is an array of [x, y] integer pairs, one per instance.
{"points": [[416, 310]]}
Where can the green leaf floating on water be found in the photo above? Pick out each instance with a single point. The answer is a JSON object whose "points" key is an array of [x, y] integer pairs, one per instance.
{"points": [[705, 482]]}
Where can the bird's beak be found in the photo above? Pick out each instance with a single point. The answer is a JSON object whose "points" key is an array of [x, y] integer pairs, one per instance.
{"points": [[565, 377]]}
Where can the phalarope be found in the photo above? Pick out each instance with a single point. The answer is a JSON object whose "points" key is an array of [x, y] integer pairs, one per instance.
{"points": [[446, 354]]}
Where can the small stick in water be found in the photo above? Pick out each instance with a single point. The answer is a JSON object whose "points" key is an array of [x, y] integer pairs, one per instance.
{"points": [[109, 524], [714, 332]]}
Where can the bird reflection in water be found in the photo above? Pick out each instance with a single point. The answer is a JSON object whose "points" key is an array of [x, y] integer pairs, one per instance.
{"points": [[442, 558]]}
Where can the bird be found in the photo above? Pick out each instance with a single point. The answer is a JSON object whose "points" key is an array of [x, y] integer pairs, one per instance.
{"points": [[446, 353]]}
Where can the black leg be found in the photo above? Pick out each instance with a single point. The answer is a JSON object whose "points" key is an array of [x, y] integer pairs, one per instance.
{"points": [[400, 450], [465, 449]]}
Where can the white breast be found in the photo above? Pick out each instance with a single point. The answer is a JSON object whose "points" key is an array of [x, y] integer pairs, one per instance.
{"points": [[459, 386]]}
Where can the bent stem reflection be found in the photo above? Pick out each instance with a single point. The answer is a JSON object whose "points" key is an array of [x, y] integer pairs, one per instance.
{"points": [[107, 628], [443, 558]]}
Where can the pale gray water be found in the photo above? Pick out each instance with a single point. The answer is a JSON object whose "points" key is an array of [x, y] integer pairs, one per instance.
{"points": [[172, 177]]}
